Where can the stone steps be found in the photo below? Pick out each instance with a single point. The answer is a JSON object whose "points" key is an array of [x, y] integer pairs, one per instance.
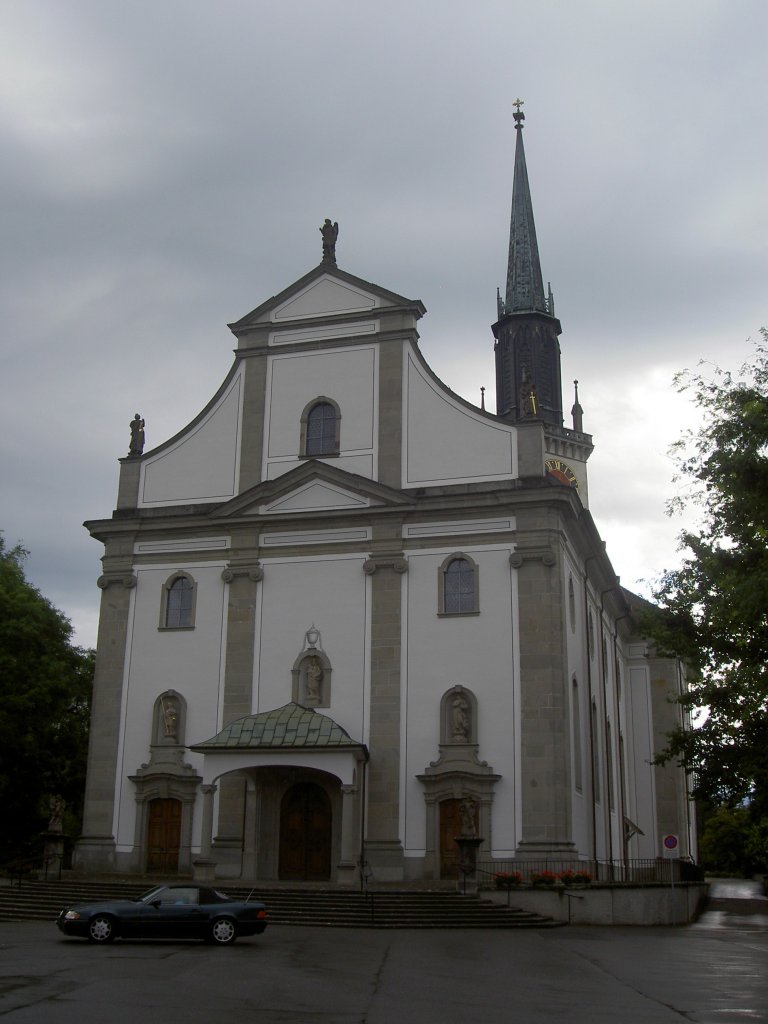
{"points": [[337, 908]]}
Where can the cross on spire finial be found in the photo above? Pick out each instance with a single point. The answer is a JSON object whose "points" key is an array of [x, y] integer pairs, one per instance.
{"points": [[518, 115]]}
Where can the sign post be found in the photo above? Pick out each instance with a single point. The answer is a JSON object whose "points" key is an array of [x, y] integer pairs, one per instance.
{"points": [[671, 851]]}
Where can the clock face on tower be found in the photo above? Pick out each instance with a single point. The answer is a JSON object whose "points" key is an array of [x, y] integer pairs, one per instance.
{"points": [[561, 473]]}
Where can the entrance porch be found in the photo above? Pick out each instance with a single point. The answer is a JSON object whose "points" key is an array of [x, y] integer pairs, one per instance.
{"points": [[282, 799]]}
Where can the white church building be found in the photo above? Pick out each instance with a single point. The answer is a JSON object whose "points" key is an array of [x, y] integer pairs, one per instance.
{"points": [[348, 615]]}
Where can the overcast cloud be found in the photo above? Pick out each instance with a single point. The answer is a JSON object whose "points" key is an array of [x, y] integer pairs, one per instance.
{"points": [[167, 163]]}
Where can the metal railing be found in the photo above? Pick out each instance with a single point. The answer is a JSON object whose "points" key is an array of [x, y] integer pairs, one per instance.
{"points": [[635, 871]]}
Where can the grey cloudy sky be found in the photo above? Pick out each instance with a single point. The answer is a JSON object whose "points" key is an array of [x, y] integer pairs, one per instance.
{"points": [[166, 165]]}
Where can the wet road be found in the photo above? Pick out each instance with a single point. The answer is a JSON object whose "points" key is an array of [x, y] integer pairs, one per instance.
{"points": [[714, 972]]}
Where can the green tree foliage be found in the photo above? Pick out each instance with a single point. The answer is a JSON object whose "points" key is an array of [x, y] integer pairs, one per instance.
{"points": [[723, 841], [714, 608], [45, 689], [734, 842]]}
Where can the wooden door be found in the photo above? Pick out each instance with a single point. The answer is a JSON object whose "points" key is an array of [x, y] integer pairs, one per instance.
{"points": [[450, 827], [305, 833], [163, 836]]}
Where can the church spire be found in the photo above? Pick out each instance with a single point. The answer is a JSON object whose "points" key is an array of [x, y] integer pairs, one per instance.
{"points": [[527, 351], [525, 287]]}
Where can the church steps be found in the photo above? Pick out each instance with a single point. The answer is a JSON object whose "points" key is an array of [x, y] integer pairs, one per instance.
{"points": [[320, 907]]}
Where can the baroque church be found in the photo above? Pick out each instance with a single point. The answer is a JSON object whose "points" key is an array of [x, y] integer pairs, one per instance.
{"points": [[347, 615]]}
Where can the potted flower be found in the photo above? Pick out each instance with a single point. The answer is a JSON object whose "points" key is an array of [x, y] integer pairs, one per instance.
{"points": [[578, 877], [507, 879], [544, 878]]}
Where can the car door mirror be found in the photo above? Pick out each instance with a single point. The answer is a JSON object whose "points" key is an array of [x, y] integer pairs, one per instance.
{"points": [[156, 904]]}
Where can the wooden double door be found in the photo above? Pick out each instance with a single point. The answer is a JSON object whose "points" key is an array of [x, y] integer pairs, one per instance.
{"points": [[450, 827], [163, 836], [305, 834]]}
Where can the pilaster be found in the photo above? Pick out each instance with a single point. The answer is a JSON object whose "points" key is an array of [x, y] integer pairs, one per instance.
{"points": [[384, 850], [128, 486], [242, 576], [252, 434], [391, 414], [96, 846], [545, 737]]}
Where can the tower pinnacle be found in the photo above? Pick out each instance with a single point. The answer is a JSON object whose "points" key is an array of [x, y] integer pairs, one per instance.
{"points": [[525, 287]]}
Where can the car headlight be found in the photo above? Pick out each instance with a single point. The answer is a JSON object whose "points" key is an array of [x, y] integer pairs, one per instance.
{"points": [[71, 915]]}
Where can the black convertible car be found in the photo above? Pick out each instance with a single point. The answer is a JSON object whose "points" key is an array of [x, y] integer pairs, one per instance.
{"points": [[167, 912]]}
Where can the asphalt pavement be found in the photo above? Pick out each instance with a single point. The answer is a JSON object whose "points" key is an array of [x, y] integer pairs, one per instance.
{"points": [[713, 972]]}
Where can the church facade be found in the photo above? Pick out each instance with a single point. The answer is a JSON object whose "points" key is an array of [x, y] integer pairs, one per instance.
{"points": [[347, 615]]}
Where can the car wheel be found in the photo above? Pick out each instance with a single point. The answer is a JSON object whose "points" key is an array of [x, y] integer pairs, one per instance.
{"points": [[101, 929], [223, 931]]}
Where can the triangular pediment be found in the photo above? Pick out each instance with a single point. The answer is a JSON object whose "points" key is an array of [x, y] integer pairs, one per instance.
{"points": [[311, 487], [316, 495], [325, 292], [326, 297]]}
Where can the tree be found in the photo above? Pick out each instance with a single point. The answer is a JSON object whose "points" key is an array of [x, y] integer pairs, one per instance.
{"points": [[714, 608], [45, 689]]}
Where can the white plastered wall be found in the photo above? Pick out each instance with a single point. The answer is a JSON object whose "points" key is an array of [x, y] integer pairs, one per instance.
{"points": [[641, 797], [189, 661], [444, 441], [349, 376], [441, 653], [331, 593], [202, 464]]}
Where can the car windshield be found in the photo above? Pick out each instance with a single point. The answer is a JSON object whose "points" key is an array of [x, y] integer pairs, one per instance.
{"points": [[183, 894], [176, 894], [151, 895]]}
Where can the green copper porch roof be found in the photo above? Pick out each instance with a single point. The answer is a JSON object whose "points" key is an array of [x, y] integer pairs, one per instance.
{"points": [[287, 727]]}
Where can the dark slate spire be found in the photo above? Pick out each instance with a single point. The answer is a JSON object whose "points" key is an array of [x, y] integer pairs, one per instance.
{"points": [[527, 351], [525, 287]]}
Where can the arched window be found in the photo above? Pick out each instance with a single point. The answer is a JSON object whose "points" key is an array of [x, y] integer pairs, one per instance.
{"points": [[576, 720], [458, 586], [595, 754], [609, 763], [320, 428], [178, 602]]}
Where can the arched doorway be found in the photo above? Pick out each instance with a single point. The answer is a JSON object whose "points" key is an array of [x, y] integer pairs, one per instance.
{"points": [[163, 835], [305, 833]]}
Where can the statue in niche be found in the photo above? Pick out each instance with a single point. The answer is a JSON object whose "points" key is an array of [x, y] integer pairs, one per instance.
{"points": [[330, 233], [313, 679], [527, 395], [468, 812], [460, 723], [170, 713], [137, 436]]}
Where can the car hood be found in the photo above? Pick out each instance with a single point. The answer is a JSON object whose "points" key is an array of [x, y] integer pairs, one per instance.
{"points": [[112, 906]]}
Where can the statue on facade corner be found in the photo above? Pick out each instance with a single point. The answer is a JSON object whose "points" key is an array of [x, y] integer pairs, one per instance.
{"points": [[137, 436], [330, 233]]}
